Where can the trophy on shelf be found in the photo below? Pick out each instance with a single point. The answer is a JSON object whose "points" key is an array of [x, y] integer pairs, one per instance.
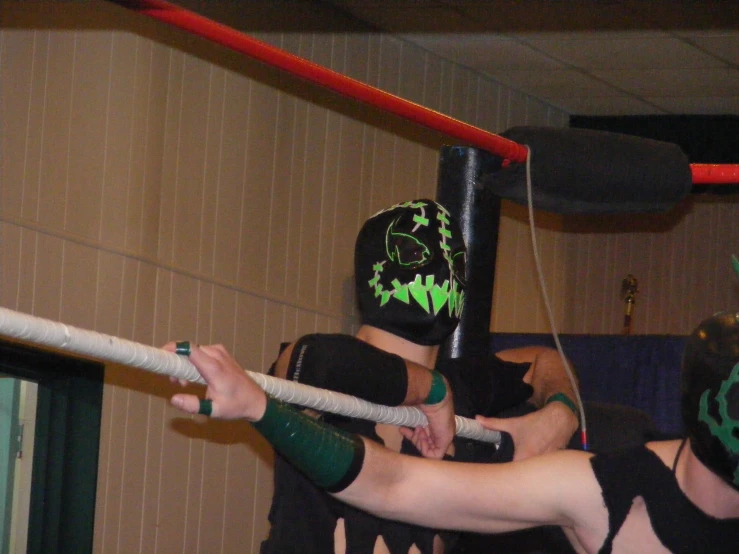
{"points": [[629, 288]]}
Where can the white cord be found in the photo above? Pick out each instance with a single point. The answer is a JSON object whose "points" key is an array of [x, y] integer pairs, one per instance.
{"points": [[542, 284]]}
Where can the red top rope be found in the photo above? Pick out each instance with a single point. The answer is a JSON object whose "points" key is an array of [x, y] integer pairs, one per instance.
{"points": [[327, 78], [715, 174]]}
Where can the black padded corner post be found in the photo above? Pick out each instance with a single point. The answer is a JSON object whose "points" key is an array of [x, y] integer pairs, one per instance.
{"points": [[460, 189]]}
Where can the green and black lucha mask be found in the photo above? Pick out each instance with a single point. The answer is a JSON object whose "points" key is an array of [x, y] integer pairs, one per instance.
{"points": [[710, 394], [409, 264]]}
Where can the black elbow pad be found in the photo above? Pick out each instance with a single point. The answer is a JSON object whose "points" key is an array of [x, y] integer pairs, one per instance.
{"points": [[345, 364]]}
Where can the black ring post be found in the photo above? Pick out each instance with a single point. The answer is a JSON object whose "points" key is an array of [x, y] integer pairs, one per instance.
{"points": [[460, 189]]}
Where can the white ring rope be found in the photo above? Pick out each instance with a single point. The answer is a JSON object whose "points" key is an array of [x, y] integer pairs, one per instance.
{"points": [[114, 349]]}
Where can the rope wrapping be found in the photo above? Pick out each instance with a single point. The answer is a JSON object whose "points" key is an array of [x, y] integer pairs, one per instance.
{"points": [[45, 332]]}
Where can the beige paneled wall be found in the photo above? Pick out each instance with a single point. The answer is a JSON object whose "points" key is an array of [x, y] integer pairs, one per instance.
{"points": [[157, 187], [681, 260], [518, 304]]}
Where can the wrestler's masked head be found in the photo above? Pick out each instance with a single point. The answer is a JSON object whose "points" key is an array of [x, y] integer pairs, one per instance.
{"points": [[409, 268], [710, 394]]}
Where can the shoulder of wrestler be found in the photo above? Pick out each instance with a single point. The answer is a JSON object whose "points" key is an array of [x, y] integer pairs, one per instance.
{"points": [[577, 492]]}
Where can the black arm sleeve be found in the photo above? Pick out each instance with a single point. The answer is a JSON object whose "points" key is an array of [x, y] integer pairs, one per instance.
{"points": [[485, 387], [492, 388], [507, 386], [348, 365]]}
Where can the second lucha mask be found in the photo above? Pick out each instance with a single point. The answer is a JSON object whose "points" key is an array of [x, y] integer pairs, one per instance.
{"points": [[710, 394]]}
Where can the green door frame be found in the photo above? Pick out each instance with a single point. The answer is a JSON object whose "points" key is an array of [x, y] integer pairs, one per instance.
{"points": [[9, 401], [66, 447]]}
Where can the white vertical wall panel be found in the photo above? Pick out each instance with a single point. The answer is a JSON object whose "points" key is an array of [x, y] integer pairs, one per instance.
{"points": [[116, 146], [11, 263], [191, 118], [47, 188], [277, 250], [87, 132], [211, 143], [229, 183], [258, 169], [18, 58]]}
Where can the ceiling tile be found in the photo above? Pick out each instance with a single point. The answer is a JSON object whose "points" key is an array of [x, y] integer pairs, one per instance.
{"points": [[605, 105], [555, 84], [615, 57], [626, 53], [725, 47], [589, 34], [672, 82], [483, 52], [704, 105]]}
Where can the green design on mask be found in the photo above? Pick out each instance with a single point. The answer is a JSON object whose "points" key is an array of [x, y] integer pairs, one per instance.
{"points": [[427, 294], [456, 300], [419, 291], [376, 279], [395, 254], [445, 233], [421, 220], [401, 292], [440, 296], [726, 430]]}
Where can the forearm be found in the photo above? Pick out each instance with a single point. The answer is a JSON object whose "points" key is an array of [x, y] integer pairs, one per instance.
{"points": [[432, 493], [388, 487], [551, 427], [482, 498], [357, 471], [330, 457], [555, 395], [548, 377]]}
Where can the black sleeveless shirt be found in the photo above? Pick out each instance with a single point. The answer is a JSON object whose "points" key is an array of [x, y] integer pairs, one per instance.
{"points": [[303, 517], [678, 523]]}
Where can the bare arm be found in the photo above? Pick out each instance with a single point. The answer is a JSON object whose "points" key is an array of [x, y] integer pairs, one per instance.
{"points": [[551, 427], [555, 489], [546, 375]]}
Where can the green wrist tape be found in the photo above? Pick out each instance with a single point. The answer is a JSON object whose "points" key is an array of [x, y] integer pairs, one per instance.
{"points": [[329, 457], [437, 392], [566, 400]]}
